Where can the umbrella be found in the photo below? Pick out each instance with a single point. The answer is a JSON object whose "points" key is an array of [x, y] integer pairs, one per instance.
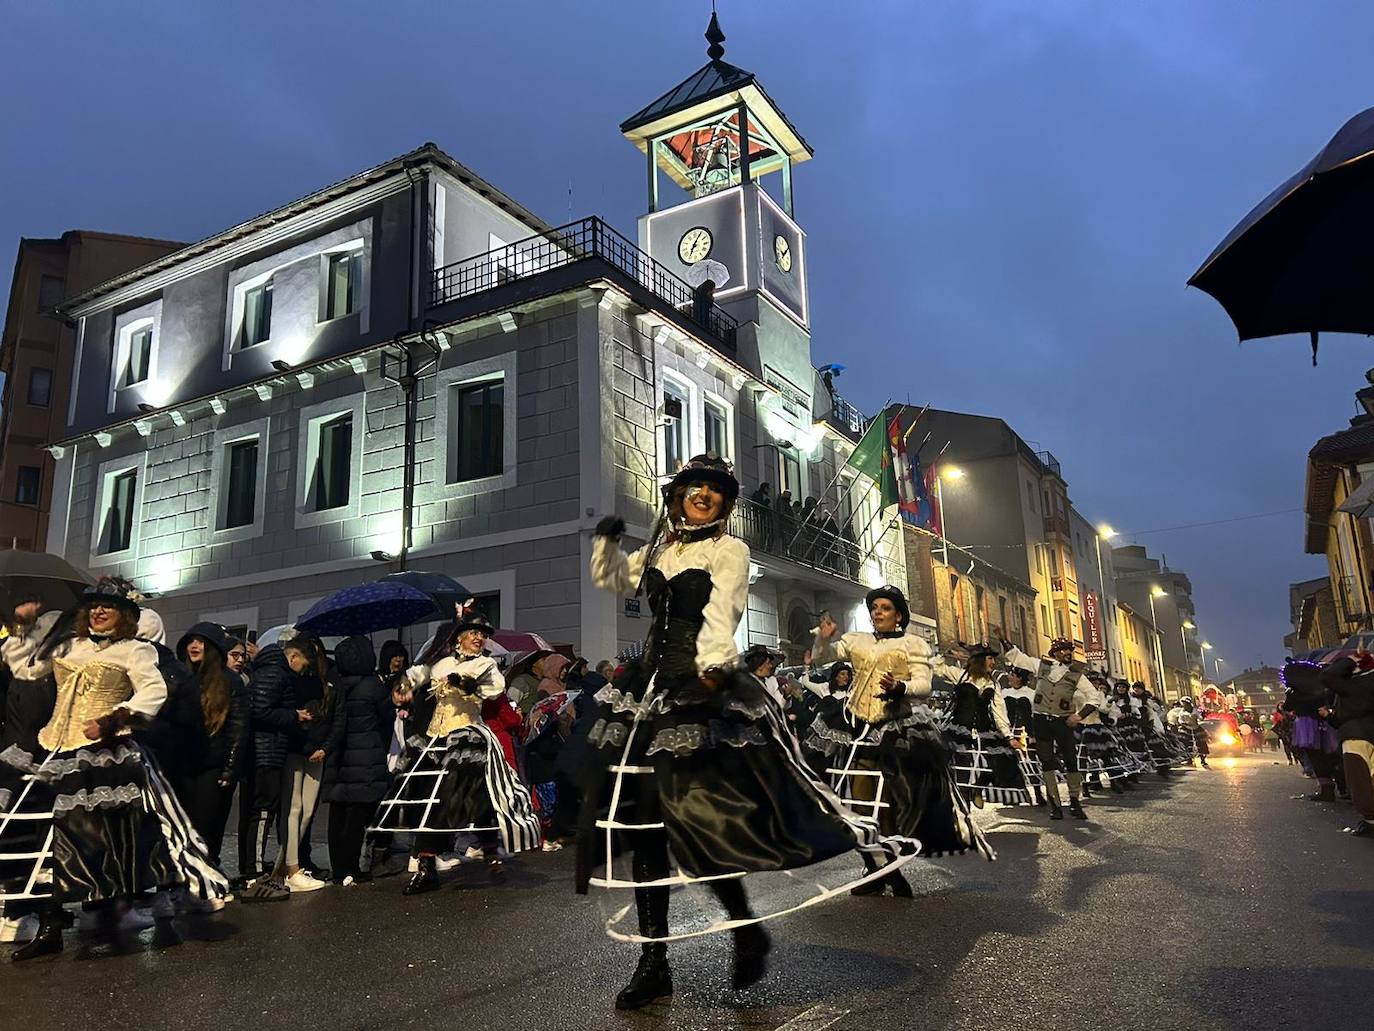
{"points": [[518, 641], [54, 581], [367, 608], [1300, 262], [447, 593]]}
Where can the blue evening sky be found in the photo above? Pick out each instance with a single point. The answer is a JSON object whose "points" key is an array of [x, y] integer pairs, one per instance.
{"points": [[1005, 202]]}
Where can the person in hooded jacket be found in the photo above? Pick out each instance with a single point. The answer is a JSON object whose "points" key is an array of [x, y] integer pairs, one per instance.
{"points": [[1350, 681], [355, 773], [209, 720], [280, 675]]}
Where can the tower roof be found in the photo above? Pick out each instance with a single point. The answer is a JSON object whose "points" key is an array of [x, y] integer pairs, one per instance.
{"points": [[706, 92]]}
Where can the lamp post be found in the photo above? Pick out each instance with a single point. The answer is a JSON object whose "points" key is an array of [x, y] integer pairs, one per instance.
{"points": [[1183, 629], [1158, 592], [1104, 532], [954, 473]]}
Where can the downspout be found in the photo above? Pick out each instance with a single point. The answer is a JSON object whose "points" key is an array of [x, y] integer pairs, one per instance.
{"points": [[408, 377]]}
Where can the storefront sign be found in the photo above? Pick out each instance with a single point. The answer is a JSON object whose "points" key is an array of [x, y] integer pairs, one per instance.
{"points": [[1094, 644]]}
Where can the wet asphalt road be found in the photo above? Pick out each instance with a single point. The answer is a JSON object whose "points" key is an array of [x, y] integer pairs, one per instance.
{"points": [[1215, 901]]}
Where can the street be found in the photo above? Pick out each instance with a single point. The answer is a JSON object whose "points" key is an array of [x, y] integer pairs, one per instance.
{"points": [[1215, 901]]}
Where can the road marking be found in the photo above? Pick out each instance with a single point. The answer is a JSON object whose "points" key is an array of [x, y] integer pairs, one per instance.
{"points": [[817, 1018]]}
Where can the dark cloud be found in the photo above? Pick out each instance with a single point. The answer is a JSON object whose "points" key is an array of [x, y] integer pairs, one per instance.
{"points": [[1005, 203]]}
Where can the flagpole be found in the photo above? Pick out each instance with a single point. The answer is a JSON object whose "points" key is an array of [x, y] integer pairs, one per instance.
{"points": [[838, 473]]}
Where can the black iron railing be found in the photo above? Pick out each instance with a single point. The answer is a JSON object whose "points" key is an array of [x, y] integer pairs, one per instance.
{"points": [[1050, 463], [586, 238], [784, 535], [846, 418]]}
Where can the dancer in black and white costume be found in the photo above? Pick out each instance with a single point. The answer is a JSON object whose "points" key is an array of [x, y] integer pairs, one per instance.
{"points": [[689, 759], [986, 760], [1063, 697], [1100, 753], [456, 778], [118, 830], [889, 755]]}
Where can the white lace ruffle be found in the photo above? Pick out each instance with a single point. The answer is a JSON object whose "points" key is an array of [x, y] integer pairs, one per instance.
{"points": [[692, 737], [84, 759], [98, 798], [606, 732]]}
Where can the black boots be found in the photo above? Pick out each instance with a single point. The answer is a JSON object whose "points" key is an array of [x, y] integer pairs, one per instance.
{"points": [[48, 941], [1056, 810], [899, 885], [1116, 786], [1325, 793], [425, 878], [752, 945], [652, 980], [1076, 810]]}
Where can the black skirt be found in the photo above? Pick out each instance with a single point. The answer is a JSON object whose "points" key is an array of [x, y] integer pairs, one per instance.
{"points": [[731, 792]]}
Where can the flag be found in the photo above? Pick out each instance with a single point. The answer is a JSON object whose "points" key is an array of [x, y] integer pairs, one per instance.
{"points": [[873, 458], [882, 456]]}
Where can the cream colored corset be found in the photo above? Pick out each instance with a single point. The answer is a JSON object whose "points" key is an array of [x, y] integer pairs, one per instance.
{"points": [[85, 691], [453, 709], [871, 659]]}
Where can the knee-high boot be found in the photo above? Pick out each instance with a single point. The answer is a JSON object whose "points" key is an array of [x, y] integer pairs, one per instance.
{"points": [[752, 943], [653, 978]]}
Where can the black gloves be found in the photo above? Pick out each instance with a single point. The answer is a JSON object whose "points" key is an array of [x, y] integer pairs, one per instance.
{"points": [[468, 685], [894, 693], [611, 526]]}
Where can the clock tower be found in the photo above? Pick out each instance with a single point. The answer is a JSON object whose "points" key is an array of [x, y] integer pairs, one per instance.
{"points": [[720, 138]]}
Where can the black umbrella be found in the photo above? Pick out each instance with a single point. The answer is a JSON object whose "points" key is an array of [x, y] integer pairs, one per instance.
{"points": [[367, 608], [1301, 261], [447, 593], [54, 581]]}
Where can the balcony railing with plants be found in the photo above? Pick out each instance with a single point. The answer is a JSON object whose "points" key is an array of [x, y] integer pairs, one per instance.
{"points": [[578, 241]]}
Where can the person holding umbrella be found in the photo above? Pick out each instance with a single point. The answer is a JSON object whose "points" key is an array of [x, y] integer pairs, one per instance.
{"points": [[458, 781]]}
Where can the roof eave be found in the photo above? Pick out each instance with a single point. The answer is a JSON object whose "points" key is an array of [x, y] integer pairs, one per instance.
{"points": [[750, 93]]}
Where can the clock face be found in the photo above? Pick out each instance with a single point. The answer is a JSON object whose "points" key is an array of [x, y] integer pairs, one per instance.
{"points": [[695, 245], [782, 252]]}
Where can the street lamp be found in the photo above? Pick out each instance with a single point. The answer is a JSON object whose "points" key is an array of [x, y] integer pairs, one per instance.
{"points": [[1104, 533], [954, 473], [1158, 592]]}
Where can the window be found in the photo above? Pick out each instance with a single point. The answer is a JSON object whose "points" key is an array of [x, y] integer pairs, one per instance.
{"points": [[40, 387], [117, 521], [1044, 617], [677, 408], [1030, 495], [477, 449], [717, 429], [241, 484], [51, 290], [343, 271], [789, 473], [1059, 622], [28, 485], [138, 356], [257, 314], [332, 475], [489, 605]]}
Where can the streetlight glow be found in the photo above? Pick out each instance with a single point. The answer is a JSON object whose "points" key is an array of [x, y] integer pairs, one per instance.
{"points": [[1206, 645], [953, 472], [1158, 592], [1106, 532], [1188, 624]]}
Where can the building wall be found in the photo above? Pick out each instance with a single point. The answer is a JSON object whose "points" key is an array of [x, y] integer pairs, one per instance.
{"points": [[73, 263]]}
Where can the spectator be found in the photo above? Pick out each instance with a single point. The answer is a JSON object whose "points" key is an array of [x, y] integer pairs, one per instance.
{"points": [[209, 718], [546, 728], [1351, 681], [355, 774], [316, 697], [605, 669]]}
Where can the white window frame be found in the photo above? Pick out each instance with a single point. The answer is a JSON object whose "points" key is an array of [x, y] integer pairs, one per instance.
{"points": [[104, 480], [352, 247], [312, 418], [145, 316], [224, 437], [248, 616], [500, 366], [714, 400], [290, 342], [691, 399]]}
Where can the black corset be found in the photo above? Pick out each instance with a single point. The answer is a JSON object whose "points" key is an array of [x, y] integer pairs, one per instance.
{"points": [[678, 606], [965, 709]]}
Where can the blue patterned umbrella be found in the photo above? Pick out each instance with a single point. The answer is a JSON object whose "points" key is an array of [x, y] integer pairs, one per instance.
{"points": [[448, 594], [367, 608]]}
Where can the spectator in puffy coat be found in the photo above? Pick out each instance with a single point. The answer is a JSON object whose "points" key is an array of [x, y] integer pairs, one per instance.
{"points": [[355, 777], [277, 718], [209, 719]]}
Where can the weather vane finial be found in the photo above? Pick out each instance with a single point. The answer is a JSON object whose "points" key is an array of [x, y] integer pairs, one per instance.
{"points": [[715, 37]]}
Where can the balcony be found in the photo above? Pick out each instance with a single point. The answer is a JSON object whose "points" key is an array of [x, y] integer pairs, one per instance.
{"points": [[1050, 463], [536, 259], [772, 533], [846, 418]]}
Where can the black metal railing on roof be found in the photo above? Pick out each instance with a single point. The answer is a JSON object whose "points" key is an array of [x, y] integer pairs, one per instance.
{"points": [[576, 241], [1050, 463], [846, 417]]}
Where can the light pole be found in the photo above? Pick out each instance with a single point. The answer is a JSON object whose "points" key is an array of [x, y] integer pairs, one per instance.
{"points": [[1104, 532], [1158, 592], [954, 473]]}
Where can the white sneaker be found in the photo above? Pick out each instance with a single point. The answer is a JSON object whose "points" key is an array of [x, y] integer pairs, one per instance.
{"points": [[18, 928], [448, 860], [551, 846], [301, 881], [198, 905], [473, 852]]}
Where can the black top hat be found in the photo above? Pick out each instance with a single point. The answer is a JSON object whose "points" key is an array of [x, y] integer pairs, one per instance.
{"points": [[711, 468], [473, 621], [894, 595], [981, 651], [210, 633], [757, 653], [111, 591]]}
